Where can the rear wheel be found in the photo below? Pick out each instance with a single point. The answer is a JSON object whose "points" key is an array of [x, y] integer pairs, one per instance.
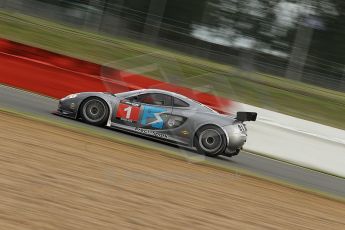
{"points": [[94, 111], [210, 140]]}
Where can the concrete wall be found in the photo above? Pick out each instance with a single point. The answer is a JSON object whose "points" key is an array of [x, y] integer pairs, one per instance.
{"points": [[295, 140]]}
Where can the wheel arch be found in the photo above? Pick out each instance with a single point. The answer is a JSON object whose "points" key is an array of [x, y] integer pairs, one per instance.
{"points": [[209, 124], [98, 97]]}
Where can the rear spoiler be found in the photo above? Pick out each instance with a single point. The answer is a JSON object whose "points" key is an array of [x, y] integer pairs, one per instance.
{"points": [[246, 116]]}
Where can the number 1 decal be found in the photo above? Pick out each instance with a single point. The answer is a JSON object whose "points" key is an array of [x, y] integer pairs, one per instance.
{"points": [[128, 113]]}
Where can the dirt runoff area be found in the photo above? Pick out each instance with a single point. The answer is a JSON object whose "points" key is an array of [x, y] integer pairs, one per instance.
{"points": [[52, 178]]}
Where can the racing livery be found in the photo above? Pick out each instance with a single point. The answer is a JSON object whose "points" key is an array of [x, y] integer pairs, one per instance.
{"points": [[162, 115]]}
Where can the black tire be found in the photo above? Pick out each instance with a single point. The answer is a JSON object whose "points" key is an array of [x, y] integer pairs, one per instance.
{"points": [[94, 111], [210, 140]]}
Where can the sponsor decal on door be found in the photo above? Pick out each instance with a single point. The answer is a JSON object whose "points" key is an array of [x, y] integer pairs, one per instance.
{"points": [[152, 117]]}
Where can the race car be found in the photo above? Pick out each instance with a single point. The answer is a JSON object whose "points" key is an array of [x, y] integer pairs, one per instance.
{"points": [[163, 115]]}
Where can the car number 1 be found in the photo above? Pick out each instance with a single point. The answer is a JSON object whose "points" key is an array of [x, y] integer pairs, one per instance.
{"points": [[128, 113]]}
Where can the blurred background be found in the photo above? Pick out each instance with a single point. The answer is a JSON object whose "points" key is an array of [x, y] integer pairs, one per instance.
{"points": [[283, 55]]}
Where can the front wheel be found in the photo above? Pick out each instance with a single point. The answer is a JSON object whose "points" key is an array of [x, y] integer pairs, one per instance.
{"points": [[94, 111], [210, 141]]}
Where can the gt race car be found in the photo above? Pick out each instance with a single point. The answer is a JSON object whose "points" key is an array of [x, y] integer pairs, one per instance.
{"points": [[163, 115]]}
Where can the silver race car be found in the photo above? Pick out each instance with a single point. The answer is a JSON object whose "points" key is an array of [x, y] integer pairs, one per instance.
{"points": [[162, 115]]}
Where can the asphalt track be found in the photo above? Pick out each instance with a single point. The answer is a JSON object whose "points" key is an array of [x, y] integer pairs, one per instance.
{"points": [[34, 104]]}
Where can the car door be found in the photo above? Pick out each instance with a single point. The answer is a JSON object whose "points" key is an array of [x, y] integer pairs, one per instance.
{"points": [[146, 113], [156, 109], [127, 114]]}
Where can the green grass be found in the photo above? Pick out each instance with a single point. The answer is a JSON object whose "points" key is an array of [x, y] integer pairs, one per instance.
{"points": [[271, 92]]}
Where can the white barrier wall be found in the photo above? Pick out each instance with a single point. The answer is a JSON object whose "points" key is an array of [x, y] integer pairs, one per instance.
{"points": [[295, 140]]}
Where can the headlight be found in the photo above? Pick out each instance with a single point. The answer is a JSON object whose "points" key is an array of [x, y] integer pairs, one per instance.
{"points": [[70, 96]]}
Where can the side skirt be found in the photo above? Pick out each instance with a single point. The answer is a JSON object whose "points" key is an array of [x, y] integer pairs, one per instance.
{"points": [[147, 136]]}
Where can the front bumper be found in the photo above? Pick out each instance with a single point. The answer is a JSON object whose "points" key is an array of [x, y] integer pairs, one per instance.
{"points": [[67, 108]]}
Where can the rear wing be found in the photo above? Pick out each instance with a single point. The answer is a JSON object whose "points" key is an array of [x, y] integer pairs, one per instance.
{"points": [[246, 116]]}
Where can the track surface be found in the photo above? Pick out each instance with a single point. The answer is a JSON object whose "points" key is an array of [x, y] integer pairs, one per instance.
{"points": [[58, 179], [38, 105]]}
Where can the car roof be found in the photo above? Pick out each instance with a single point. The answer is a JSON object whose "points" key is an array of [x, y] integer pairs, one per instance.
{"points": [[141, 91], [192, 102]]}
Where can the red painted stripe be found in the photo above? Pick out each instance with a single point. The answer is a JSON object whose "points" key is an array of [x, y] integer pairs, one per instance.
{"points": [[57, 75]]}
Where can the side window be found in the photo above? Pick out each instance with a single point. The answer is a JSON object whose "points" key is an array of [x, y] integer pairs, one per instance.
{"points": [[132, 99], [180, 103], [155, 99]]}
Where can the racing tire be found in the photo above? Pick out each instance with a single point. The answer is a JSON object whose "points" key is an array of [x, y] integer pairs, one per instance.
{"points": [[210, 140], [94, 111]]}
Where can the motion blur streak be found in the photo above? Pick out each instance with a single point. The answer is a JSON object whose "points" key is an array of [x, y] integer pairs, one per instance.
{"points": [[58, 179], [57, 75]]}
